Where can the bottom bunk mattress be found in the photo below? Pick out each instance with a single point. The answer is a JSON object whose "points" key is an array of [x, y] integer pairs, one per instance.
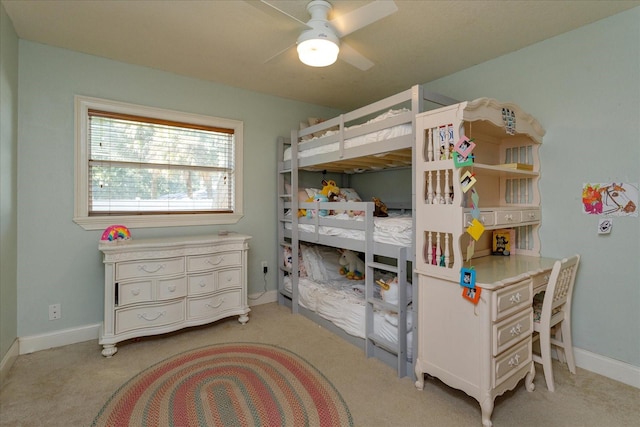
{"points": [[323, 290]]}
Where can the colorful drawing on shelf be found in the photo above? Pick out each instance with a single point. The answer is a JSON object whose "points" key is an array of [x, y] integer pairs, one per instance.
{"points": [[612, 199]]}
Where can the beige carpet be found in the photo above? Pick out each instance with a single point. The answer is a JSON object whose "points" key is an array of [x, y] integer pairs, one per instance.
{"points": [[67, 386]]}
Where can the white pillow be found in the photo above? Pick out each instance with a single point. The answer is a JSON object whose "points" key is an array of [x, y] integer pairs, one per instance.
{"points": [[350, 194]]}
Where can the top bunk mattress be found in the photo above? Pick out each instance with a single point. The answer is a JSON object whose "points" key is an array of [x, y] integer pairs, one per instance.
{"points": [[368, 138]]}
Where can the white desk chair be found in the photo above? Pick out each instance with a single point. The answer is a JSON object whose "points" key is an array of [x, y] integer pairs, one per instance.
{"points": [[555, 315]]}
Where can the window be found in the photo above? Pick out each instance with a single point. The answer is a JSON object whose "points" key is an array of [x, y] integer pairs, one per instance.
{"points": [[146, 167]]}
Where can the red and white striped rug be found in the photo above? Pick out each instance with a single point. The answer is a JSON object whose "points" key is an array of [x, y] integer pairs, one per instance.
{"points": [[237, 384]]}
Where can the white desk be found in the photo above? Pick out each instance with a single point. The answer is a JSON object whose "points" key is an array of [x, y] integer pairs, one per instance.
{"points": [[484, 349]]}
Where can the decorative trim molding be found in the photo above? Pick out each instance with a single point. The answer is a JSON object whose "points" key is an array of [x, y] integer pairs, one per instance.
{"points": [[601, 365], [60, 338], [266, 298], [610, 368], [8, 359]]}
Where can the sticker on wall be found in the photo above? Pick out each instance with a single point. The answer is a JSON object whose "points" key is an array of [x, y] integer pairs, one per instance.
{"points": [[605, 225], [611, 199]]}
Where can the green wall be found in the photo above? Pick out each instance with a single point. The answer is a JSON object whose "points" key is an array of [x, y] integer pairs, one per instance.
{"points": [[58, 261], [584, 88], [8, 182]]}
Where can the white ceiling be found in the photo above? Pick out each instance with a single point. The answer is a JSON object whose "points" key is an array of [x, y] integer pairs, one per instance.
{"points": [[231, 41]]}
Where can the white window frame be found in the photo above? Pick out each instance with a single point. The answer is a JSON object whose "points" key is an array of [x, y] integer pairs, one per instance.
{"points": [[81, 188]]}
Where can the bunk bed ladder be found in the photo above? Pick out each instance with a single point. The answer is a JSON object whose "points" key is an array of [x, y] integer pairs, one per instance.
{"points": [[286, 202], [373, 340]]}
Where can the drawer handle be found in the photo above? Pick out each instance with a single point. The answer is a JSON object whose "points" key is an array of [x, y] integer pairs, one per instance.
{"points": [[135, 291], [216, 263], [151, 319], [514, 361], [216, 306], [172, 288], [516, 330], [202, 283], [151, 270], [508, 217], [515, 298], [532, 215]]}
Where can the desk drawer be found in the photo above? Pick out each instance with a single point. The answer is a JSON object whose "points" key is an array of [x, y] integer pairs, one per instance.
{"points": [[511, 330], [486, 218], [511, 361], [512, 299], [531, 215], [208, 262], [150, 268], [540, 281]]}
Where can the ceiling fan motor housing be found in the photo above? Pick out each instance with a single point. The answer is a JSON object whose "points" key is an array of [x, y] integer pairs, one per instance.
{"points": [[319, 45]]}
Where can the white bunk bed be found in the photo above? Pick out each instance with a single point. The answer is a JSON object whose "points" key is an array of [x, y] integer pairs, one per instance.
{"points": [[378, 136]]}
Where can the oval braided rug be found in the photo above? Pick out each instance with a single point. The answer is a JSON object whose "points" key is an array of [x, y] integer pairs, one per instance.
{"points": [[238, 384]]}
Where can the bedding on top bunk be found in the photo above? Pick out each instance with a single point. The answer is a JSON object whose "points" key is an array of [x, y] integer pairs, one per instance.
{"points": [[381, 135], [323, 290]]}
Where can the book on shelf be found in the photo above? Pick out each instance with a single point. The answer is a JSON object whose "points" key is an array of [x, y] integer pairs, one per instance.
{"points": [[520, 166], [503, 242]]}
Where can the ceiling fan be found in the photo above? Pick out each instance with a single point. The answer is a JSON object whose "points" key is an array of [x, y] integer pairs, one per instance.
{"points": [[320, 44]]}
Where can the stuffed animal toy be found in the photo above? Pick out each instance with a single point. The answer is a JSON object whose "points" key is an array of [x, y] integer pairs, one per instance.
{"points": [[380, 208], [329, 189], [321, 212], [352, 265]]}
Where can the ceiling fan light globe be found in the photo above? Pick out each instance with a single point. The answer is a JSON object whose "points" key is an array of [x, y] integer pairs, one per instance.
{"points": [[318, 52]]}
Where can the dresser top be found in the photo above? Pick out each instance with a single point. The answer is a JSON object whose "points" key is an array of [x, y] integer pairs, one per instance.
{"points": [[171, 242]]}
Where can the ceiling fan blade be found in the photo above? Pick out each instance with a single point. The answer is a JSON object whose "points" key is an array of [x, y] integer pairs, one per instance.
{"points": [[363, 16], [353, 57], [279, 53], [273, 8]]}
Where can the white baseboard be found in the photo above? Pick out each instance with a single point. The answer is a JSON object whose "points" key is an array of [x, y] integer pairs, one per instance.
{"points": [[263, 298], [63, 337], [607, 367], [8, 359], [58, 338]]}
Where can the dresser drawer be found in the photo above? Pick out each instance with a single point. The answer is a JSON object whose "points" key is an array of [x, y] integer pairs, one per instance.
{"points": [[201, 283], [512, 299], [530, 215], [149, 268], [133, 292], [207, 262], [171, 288], [486, 218], [153, 315], [230, 278], [512, 330], [213, 305], [511, 361]]}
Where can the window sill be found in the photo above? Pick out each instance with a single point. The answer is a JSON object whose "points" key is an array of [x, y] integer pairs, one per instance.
{"points": [[150, 221]]}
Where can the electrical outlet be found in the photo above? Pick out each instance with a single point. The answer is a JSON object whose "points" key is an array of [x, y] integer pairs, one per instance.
{"points": [[54, 312], [265, 267]]}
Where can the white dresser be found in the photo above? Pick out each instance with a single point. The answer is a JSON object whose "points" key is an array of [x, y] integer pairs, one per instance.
{"points": [[154, 286]]}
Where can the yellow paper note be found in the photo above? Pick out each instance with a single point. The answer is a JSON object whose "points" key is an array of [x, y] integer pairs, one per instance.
{"points": [[475, 229]]}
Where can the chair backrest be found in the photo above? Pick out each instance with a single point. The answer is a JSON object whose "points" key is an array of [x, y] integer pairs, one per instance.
{"points": [[561, 281]]}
